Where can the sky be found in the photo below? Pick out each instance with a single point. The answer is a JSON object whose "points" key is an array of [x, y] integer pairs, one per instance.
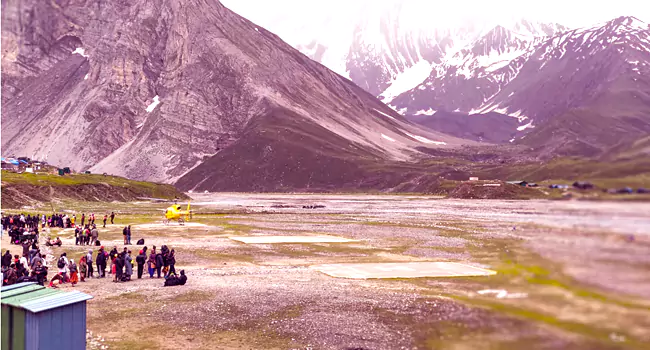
{"points": [[571, 13]]}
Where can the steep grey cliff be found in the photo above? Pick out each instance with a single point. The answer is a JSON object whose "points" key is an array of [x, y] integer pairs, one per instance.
{"points": [[156, 87]]}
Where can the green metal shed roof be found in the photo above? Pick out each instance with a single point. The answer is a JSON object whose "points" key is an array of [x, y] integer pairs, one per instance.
{"points": [[55, 301], [18, 300], [19, 291], [17, 285], [36, 298]]}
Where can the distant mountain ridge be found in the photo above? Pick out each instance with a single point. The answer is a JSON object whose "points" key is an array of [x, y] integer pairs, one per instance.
{"points": [[580, 92], [534, 72]]}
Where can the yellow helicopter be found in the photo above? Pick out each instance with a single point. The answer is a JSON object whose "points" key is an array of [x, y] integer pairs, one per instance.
{"points": [[175, 213]]}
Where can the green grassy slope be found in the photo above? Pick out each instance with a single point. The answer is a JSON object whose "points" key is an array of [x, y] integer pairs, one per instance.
{"points": [[29, 189]]}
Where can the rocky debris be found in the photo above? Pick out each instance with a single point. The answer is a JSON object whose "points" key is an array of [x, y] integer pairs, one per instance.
{"points": [[95, 342]]}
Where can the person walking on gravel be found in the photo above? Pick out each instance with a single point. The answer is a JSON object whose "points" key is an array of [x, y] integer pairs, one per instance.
{"points": [[141, 259], [94, 234], [105, 218], [62, 264], [119, 267], [151, 263], [89, 262], [171, 261], [74, 277], [101, 263], [83, 268], [112, 217], [128, 266], [159, 263]]}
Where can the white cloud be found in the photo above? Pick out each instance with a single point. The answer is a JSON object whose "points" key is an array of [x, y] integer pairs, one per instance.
{"points": [[444, 13]]}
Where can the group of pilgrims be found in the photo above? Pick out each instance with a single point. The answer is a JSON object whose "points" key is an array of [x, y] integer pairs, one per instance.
{"points": [[22, 227], [32, 265], [159, 264]]}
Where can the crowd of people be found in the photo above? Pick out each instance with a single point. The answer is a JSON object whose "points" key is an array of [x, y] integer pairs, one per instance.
{"points": [[159, 264], [32, 266], [22, 227], [28, 267], [55, 220]]}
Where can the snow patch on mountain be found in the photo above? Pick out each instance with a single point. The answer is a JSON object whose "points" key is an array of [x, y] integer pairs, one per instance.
{"points": [[495, 60], [153, 104], [388, 138], [80, 51], [430, 111], [527, 126], [407, 80], [424, 139], [382, 113]]}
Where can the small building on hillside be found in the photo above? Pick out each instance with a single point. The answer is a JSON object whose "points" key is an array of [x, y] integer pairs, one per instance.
{"points": [[8, 166], [35, 317]]}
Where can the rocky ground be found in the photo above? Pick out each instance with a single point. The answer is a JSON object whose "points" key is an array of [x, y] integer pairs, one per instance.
{"points": [[571, 274]]}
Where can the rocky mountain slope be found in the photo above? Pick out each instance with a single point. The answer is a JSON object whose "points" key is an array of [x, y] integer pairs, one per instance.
{"points": [[491, 127], [581, 92], [152, 89]]}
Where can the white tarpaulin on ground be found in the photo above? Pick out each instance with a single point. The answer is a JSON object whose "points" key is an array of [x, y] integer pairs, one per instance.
{"points": [[290, 239], [402, 270]]}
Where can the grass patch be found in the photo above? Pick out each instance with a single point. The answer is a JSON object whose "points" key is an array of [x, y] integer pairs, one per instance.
{"points": [[128, 296], [598, 334], [225, 256], [192, 296]]}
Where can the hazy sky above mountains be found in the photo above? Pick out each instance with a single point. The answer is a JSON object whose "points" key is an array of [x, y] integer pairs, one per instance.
{"points": [[571, 13]]}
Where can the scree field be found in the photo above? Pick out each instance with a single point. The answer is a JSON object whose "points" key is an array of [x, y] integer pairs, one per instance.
{"points": [[300, 271]]}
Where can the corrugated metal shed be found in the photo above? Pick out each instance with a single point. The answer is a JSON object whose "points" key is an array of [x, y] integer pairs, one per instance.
{"points": [[35, 317]]}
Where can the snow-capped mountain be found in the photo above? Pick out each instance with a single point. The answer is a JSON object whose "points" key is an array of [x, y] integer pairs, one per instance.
{"points": [[530, 76], [465, 80], [580, 92], [570, 69], [389, 47]]}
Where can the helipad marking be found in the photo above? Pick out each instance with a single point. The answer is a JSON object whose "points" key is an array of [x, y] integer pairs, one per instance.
{"points": [[290, 239], [402, 270]]}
